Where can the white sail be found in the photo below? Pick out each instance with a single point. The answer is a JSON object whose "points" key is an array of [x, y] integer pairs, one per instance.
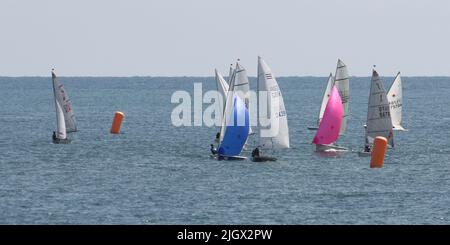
{"points": [[222, 88], [342, 84], [395, 98], [325, 97], [378, 114], [279, 131], [63, 99], [228, 109], [60, 122]]}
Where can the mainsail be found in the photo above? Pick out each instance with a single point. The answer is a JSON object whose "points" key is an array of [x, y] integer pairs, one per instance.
{"points": [[330, 125], [60, 124], [62, 98], [325, 97], [222, 89], [277, 135], [379, 121], [342, 84], [395, 99]]}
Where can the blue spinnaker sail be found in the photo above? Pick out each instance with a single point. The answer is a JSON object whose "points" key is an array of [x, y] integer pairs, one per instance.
{"points": [[236, 132]]}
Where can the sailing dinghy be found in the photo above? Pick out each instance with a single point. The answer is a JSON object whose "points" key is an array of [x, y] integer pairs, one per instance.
{"points": [[330, 125], [325, 97], [379, 122], [235, 123], [341, 80], [65, 118], [276, 135], [395, 99]]}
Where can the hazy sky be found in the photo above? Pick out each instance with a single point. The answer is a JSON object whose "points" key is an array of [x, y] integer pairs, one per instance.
{"points": [[192, 37]]}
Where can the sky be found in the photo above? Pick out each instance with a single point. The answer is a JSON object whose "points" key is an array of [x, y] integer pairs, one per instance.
{"points": [[192, 37]]}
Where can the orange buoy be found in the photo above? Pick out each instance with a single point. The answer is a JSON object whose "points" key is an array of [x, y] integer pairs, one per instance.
{"points": [[118, 118], [378, 151]]}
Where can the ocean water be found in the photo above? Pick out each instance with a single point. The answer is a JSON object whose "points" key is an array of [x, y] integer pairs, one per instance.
{"points": [[155, 173]]}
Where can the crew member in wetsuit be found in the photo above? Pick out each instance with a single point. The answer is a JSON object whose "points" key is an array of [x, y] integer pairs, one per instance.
{"points": [[54, 136], [255, 152], [218, 137], [213, 150], [367, 148]]}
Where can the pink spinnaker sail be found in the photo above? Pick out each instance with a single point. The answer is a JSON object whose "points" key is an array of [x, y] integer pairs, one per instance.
{"points": [[330, 125]]}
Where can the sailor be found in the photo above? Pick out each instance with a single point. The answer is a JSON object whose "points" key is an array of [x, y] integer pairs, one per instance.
{"points": [[367, 148], [54, 136], [218, 137], [256, 152], [213, 150]]}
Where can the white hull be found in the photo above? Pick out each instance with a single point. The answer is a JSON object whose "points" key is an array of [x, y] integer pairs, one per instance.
{"points": [[330, 148], [399, 128], [230, 158], [364, 153], [227, 158]]}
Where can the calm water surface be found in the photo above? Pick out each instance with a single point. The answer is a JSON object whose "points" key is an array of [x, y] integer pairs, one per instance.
{"points": [[154, 173]]}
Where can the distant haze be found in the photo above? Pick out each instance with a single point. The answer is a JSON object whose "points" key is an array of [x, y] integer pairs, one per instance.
{"points": [[192, 37]]}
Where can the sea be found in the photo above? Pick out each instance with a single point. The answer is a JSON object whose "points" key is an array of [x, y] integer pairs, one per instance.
{"points": [[156, 173]]}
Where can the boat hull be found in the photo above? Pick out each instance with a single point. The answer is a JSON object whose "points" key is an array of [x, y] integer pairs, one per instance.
{"points": [[227, 158], [60, 141], [364, 154], [264, 159], [330, 148], [313, 128]]}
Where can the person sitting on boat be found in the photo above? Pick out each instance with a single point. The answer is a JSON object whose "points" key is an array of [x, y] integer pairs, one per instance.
{"points": [[367, 148], [256, 152], [213, 150], [54, 136], [218, 137]]}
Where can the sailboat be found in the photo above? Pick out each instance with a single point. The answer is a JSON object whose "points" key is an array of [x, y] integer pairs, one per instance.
{"points": [[330, 125], [341, 80], [235, 125], [379, 122], [395, 99], [325, 97], [65, 118], [276, 135]]}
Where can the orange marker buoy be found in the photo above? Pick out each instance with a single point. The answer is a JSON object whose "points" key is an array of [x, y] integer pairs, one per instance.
{"points": [[378, 151], [118, 118]]}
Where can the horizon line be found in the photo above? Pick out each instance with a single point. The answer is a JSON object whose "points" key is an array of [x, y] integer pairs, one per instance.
{"points": [[193, 76]]}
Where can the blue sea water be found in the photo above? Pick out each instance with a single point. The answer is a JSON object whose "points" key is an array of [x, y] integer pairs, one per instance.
{"points": [[155, 173]]}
